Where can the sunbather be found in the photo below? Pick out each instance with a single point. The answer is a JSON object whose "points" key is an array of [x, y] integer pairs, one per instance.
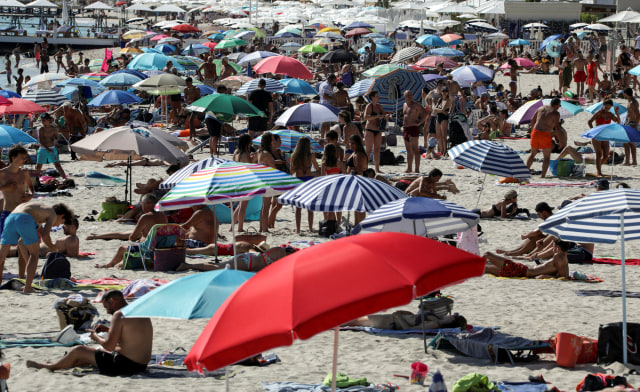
{"points": [[544, 211], [202, 227], [428, 186], [557, 267], [403, 319], [505, 208], [252, 262]]}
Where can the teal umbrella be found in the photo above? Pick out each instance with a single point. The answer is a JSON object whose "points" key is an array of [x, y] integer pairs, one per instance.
{"points": [[231, 43], [190, 297], [225, 104], [151, 61]]}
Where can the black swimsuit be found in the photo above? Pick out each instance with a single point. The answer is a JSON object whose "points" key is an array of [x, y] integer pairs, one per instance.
{"points": [[373, 130]]}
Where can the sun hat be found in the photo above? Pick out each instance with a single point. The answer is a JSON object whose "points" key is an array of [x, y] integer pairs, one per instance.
{"points": [[263, 246], [510, 194]]}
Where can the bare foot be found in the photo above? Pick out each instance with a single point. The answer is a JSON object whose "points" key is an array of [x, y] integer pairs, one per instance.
{"points": [[408, 171], [91, 236], [35, 365], [102, 266], [30, 290], [500, 251], [183, 267]]}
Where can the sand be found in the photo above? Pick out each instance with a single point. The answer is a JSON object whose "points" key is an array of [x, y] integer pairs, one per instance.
{"points": [[529, 308]]}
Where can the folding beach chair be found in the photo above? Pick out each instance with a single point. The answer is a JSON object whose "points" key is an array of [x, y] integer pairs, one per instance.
{"points": [[161, 236]]}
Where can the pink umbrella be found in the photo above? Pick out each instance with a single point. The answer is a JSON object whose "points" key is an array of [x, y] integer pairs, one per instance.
{"points": [[522, 62], [210, 45], [357, 31], [283, 65], [433, 61], [4, 101], [21, 106], [159, 37]]}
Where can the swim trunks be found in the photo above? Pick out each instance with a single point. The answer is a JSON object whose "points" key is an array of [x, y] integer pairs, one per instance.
{"points": [[409, 132], [432, 125], [116, 364], [210, 82], [47, 156], [541, 140], [3, 216], [20, 225], [580, 77], [191, 244], [511, 269], [258, 123]]}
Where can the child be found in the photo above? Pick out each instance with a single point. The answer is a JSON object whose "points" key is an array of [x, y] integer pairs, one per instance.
{"points": [[19, 81], [7, 67]]}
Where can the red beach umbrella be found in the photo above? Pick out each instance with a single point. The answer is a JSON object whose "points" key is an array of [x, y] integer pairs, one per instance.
{"points": [[433, 61], [210, 45], [4, 101], [450, 37], [121, 3], [524, 63], [356, 276], [185, 28], [283, 65], [21, 106], [357, 31]]}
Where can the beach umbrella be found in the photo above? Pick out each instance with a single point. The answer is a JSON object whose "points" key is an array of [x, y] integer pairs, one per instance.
{"points": [[170, 8], [291, 46], [165, 48], [525, 112], [431, 80], [622, 16], [451, 37], [237, 56], [290, 139], [497, 36], [80, 82], [419, 216], [298, 87], [355, 25], [635, 70], [522, 62], [447, 52], [159, 37], [225, 104], [254, 57], [95, 76], [366, 273], [162, 84], [45, 97], [601, 217], [46, 80], [535, 25], [331, 29], [481, 27], [235, 81], [151, 50], [473, 73], [283, 65], [167, 40], [245, 35], [131, 34], [152, 61], [130, 72], [382, 69], [330, 35], [613, 132], [598, 27], [114, 97], [185, 28], [10, 136], [338, 56], [130, 51], [380, 49], [357, 31], [218, 63], [188, 170], [189, 297], [9, 94], [189, 63], [205, 90], [597, 106], [120, 80], [230, 43], [433, 61], [272, 86], [308, 113], [286, 34], [519, 41], [392, 86], [407, 54], [20, 106], [312, 49], [360, 88], [153, 72], [210, 45], [430, 40]]}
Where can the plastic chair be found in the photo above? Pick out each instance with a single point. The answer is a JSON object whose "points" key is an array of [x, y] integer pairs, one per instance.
{"points": [[162, 236]]}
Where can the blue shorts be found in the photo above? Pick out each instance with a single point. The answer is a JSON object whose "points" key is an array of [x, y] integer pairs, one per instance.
{"points": [[192, 244], [45, 156], [3, 216], [20, 225]]}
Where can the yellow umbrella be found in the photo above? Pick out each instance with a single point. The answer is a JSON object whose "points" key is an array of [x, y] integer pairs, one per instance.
{"points": [[133, 34], [130, 50], [259, 32], [331, 29]]}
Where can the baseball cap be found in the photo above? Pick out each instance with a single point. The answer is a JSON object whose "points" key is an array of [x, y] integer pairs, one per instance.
{"points": [[544, 206]]}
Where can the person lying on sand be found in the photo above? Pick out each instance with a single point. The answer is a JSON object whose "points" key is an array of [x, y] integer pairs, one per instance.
{"points": [[530, 239], [125, 351], [252, 262], [219, 249], [403, 319], [557, 267], [428, 186], [545, 249], [505, 208]]}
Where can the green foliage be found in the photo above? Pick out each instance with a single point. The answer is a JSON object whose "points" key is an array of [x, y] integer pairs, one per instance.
{"points": [[588, 18]]}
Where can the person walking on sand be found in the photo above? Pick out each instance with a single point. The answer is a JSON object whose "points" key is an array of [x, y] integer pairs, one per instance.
{"points": [[544, 121], [47, 153], [633, 119], [23, 224], [414, 118], [125, 351], [601, 117], [579, 72]]}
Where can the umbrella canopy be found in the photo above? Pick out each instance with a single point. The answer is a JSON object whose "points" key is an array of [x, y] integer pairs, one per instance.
{"points": [[308, 113], [380, 49], [355, 25], [230, 43], [255, 57], [392, 86], [597, 106], [407, 54], [382, 69], [525, 112], [272, 86], [126, 142], [189, 297], [10, 136], [298, 87], [602, 217], [160, 37], [46, 80], [165, 48], [419, 216], [225, 104], [188, 170], [283, 65], [162, 84], [131, 34], [635, 70], [447, 52], [341, 192], [236, 81], [312, 49], [120, 80], [490, 158], [185, 28], [170, 8], [152, 61], [357, 31], [433, 61], [597, 27], [519, 41], [338, 56], [622, 16], [522, 62], [289, 139], [329, 34], [114, 97], [482, 27], [95, 76], [291, 46], [21, 106], [432, 80], [359, 275], [229, 181], [45, 97], [613, 132], [473, 73], [430, 40]]}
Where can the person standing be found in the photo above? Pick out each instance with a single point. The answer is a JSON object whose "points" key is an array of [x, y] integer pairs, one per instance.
{"points": [[374, 115], [191, 94], [16, 54], [44, 61], [209, 68], [633, 119], [325, 90], [441, 109], [263, 100], [37, 49], [592, 75], [601, 117], [544, 121], [579, 74], [414, 117], [47, 153], [302, 160]]}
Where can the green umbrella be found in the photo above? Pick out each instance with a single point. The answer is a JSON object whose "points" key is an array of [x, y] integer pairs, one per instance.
{"points": [[312, 49], [380, 70], [233, 65], [231, 43], [289, 29], [225, 104]]}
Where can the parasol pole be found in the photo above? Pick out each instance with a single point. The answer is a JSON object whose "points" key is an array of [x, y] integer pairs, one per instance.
{"points": [[233, 231], [481, 189], [624, 293], [334, 367]]}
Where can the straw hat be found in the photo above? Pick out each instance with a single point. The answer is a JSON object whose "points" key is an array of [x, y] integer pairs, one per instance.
{"points": [[263, 246]]}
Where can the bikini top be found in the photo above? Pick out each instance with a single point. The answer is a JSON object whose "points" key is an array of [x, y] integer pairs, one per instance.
{"points": [[350, 162], [333, 170]]}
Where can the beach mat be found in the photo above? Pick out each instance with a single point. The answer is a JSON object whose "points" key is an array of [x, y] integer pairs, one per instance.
{"points": [[55, 284], [586, 279], [407, 331], [606, 293], [606, 260], [288, 386], [583, 184], [13, 343], [157, 371]]}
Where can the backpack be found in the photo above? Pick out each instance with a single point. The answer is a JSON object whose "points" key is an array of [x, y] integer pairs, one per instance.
{"points": [[56, 266], [75, 310], [328, 227], [610, 343], [456, 133], [387, 157]]}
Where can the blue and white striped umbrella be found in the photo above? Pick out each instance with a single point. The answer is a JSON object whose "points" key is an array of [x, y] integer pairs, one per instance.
{"points": [[360, 88], [392, 86], [188, 170], [255, 57], [447, 52], [419, 216], [341, 192], [120, 80], [252, 85], [490, 158], [473, 73], [601, 217], [45, 97], [114, 97]]}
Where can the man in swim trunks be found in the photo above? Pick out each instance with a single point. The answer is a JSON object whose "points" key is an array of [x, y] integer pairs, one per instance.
{"points": [[47, 153], [544, 121], [414, 117], [125, 351], [210, 75], [202, 227], [557, 267], [24, 223], [579, 72], [15, 183], [544, 211], [633, 118]]}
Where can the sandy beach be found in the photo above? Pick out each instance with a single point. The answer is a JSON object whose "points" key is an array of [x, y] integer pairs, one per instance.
{"points": [[534, 309]]}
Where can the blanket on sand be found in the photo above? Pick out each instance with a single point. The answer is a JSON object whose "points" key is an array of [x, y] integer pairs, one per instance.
{"points": [[56, 284], [288, 386], [606, 260], [580, 278], [408, 331], [606, 293], [157, 371]]}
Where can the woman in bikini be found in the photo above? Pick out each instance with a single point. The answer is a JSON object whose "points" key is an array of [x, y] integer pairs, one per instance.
{"points": [[441, 109], [592, 75], [357, 163], [348, 128], [373, 115], [330, 166], [505, 208], [513, 74], [281, 164], [266, 157], [601, 117], [243, 154], [251, 262], [302, 160]]}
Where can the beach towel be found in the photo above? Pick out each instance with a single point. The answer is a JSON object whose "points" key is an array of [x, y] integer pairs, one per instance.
{"points": [[13, 343], [288, 386], [344, 381], [526, 386], [157, 371], [86, 254], [107, 58], [135, 289], [606, 260], [606, 293], [114, 281], [575, 277], [409, 331], [582, 184], [55, 284]]}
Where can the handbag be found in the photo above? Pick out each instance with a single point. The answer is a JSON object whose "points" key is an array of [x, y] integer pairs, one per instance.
{"points": [[254, 238], [610, 343]]}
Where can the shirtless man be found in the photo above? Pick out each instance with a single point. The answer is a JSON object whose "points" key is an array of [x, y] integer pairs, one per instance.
{"points": [[75, 124], [168, 66], [148, 219], [125, 351], [69, 245], [491, 125], [454, 87], [513, 77], [210, 75], [191, 94], [530, 239], [341, 97], [202, 227], [227, 70], [633, 119], [47, 153], [580, 72], [414, 117], [15, 183], [428, 186], [545, 120], [557, 267], [24, 223]]}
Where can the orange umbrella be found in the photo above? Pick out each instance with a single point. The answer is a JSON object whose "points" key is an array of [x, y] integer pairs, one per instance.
{"points": [[450, 37]]}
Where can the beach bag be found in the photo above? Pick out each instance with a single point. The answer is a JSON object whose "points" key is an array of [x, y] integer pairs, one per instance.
{"points": [[168, 259], [328, 227], [456, 133], [392, 140], [562, 167], [75, 310], [610, 343], [133, 259], [111, 210], [600, 381], [253, 238], [387, 157], [56, 266]]}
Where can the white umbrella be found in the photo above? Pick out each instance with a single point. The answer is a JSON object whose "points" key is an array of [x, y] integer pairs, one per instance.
{"points": [[11, 3], [407, 54], [497, 36], [446, 23], [139, 7], [623, 16], [577, 25], [98, 5], [169, 8], [41, 4], [535, 26], [307, 113], [597, 27]]}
